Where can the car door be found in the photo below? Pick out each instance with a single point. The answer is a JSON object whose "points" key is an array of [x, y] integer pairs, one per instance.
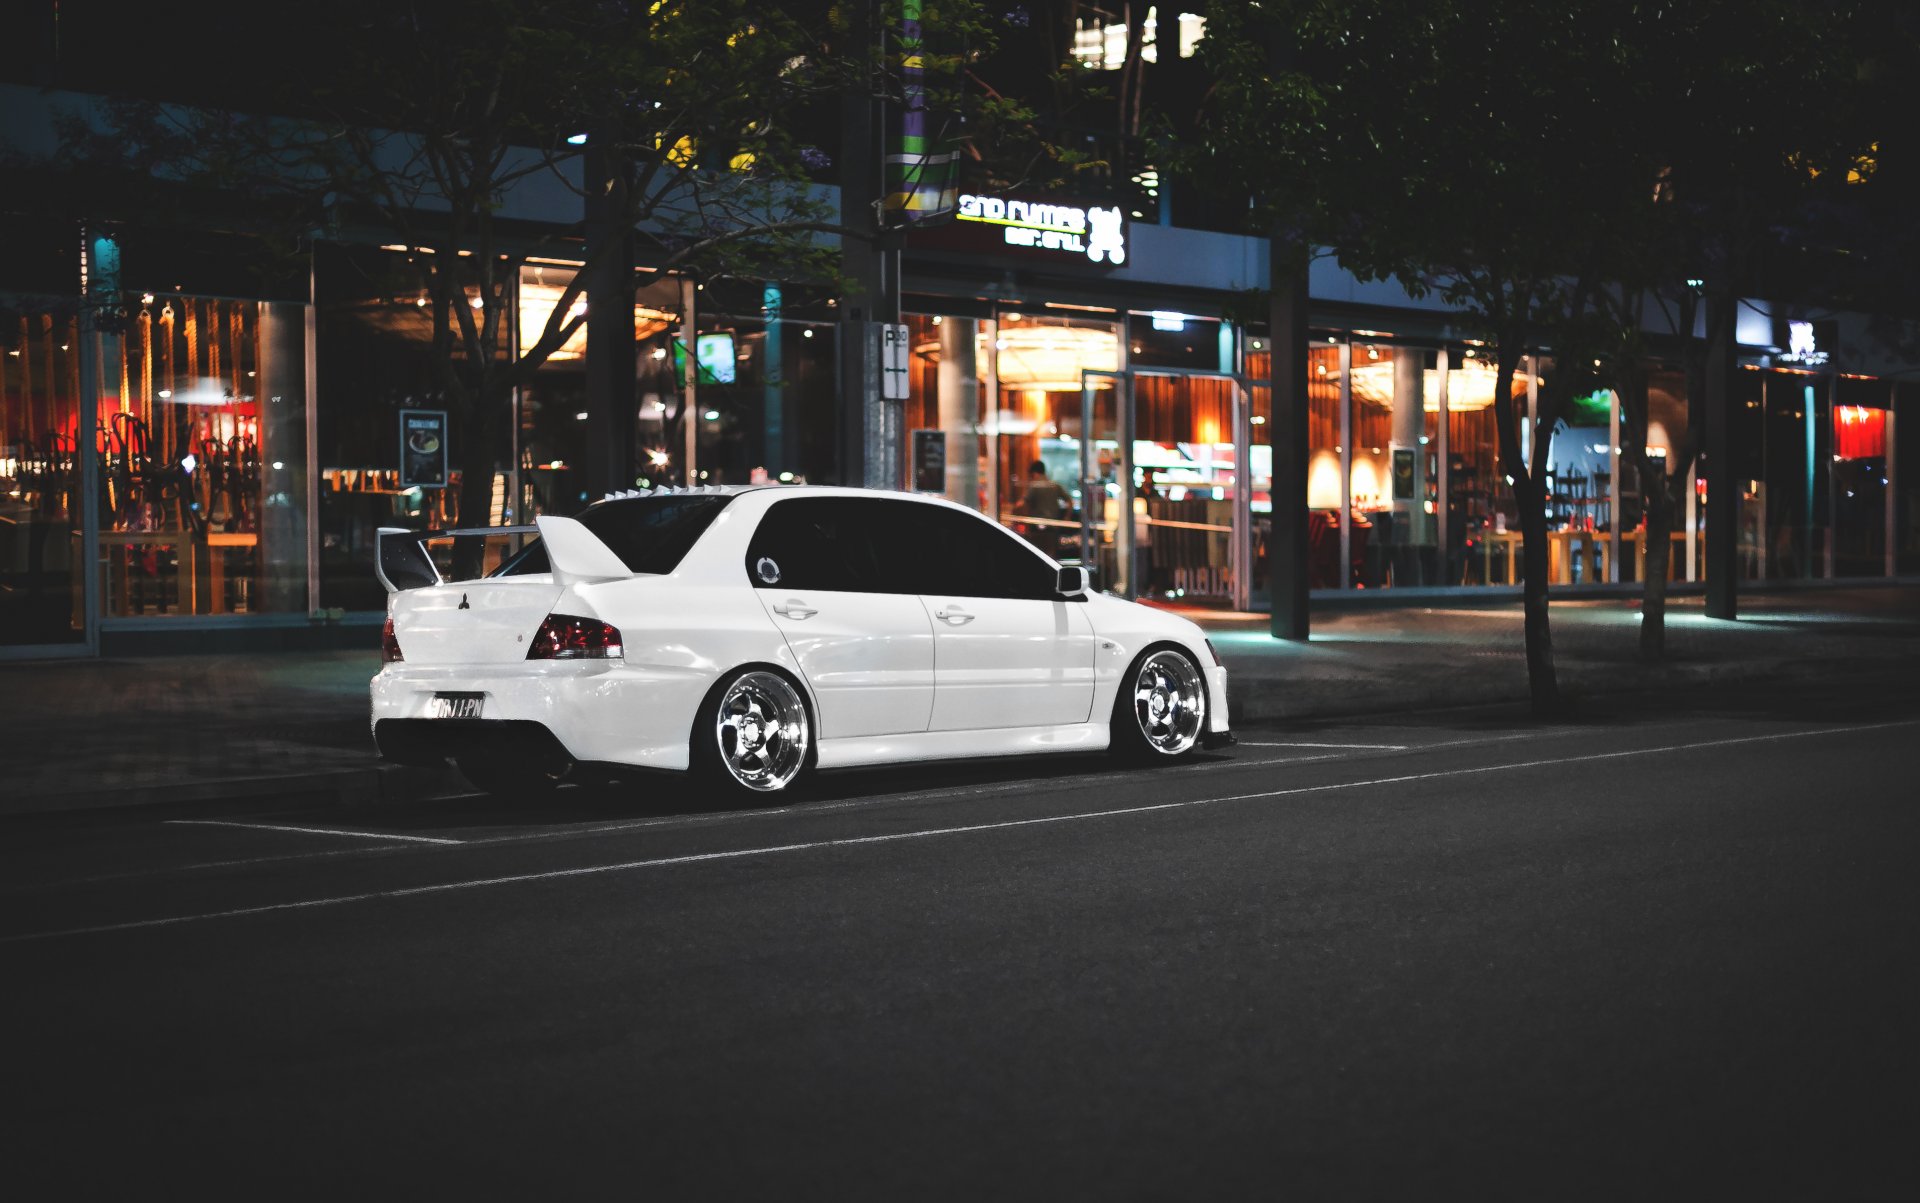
{"points": [[1008, 651], [866, 653]]}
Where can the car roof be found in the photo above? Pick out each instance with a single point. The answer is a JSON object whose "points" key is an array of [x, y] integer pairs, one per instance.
{"points": [[794, 489]]}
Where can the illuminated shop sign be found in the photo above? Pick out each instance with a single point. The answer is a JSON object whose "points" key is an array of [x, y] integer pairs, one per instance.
{"points": [[1808, 344], [1091, 233]]}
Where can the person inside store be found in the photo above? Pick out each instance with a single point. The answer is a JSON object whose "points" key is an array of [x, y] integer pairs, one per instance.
{"points": [[1044, 499]]}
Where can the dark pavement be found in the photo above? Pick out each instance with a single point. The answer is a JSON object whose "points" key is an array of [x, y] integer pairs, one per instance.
{"points": [[1652, 951]]}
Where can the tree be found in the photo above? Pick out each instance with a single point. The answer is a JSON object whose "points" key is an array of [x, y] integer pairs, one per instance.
{"points": [[1391, 137], [426, 129], [1762, 124]]}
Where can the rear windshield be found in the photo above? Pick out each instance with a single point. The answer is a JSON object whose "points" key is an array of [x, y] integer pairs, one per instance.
{"points": [[649, 534]]}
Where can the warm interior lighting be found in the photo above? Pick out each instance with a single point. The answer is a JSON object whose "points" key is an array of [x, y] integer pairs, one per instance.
{"points": [[536, 306], [1469, 386], [1859, 432], [1051, 358]]}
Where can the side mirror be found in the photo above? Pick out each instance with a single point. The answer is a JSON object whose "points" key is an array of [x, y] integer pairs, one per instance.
{"points": [[1073, 581]]}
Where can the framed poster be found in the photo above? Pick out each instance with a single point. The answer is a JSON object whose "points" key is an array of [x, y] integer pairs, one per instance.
{"points": [[423, 448], [1403, 474], [929, 461]]}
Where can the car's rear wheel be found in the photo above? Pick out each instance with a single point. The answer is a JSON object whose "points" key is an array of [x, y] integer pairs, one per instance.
{"points": [[754, 735], [1161, 710]]}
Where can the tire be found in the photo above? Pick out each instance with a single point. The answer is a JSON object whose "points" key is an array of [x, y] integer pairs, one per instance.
{"points": [[753, 736], [1160, 709], [506, 777]]}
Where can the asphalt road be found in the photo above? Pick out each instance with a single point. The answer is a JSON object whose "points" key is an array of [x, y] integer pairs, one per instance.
{"points": [[1646, 951]]}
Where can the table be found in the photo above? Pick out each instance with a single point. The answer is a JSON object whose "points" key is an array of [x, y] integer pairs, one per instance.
{"points": [[1560, 555], [201, 565], [1509, 542], [1676, 539]]}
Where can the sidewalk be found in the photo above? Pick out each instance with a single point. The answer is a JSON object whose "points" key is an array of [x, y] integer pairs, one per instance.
{"points": [[84, 734]]}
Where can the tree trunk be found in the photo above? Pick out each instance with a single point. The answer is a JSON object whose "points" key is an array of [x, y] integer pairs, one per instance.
{"points": [[1530, 499], [476, 483], [1543, 685]]}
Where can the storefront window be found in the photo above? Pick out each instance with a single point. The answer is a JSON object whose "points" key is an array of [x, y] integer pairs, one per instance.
{"points": [[41, 557], [1037, 427], [1859, 481], [1747, 430], [202, 442], [1482, 522], [1796, 442], [1580, 489], [1394, 472], [765, 393], [1324, 445], [1667, 434], [1905, 475], [946, 450]]}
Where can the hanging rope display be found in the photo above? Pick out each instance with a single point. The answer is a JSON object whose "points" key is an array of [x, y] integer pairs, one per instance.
{"points": [[145, 322]]}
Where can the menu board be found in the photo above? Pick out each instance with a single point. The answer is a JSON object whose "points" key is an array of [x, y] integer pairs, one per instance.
{"points": [[423, 448]]}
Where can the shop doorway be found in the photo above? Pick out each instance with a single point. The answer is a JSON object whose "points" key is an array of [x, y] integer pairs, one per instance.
{"points": [[1165, 476]]}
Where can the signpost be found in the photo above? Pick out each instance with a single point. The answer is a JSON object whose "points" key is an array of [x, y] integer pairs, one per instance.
{"points": [[895, 360]]}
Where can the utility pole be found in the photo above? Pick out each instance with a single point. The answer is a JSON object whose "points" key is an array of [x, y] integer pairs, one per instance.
{"points": [[871, 448], [1287, 261]]}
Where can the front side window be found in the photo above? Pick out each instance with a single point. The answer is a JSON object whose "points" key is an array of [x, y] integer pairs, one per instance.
{"points": [[964, 556]]}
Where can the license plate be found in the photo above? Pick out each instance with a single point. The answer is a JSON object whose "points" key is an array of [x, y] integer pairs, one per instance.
{"points": [[458, 705]]}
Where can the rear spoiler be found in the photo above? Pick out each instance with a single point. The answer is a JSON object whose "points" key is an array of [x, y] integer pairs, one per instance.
{"points": [[401, 560], [576, 554]]}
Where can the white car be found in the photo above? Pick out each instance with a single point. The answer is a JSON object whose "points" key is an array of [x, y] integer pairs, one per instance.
{"points": [[754, 634]]}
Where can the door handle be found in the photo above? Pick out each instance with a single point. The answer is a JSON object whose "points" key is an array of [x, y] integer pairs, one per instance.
{"points": [[795, 608], [954, 616]]}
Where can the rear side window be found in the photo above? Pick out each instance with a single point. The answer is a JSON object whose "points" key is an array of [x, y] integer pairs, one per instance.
{"points": [[649, 534], [817, 543]]}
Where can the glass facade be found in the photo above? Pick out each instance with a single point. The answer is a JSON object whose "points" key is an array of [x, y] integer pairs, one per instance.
{"points": [[201, 435], [42, 553], [212, 456]]}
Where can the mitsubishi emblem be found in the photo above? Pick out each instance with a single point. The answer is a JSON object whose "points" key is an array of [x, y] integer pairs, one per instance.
{"points": [[463, 603]]}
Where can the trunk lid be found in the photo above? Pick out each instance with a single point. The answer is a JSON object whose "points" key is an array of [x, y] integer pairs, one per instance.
{"points": [[488, 621]]}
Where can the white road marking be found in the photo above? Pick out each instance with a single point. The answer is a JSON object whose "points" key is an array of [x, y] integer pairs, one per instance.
{"points": [[896, 837], [364, 835], [1247, 743]]}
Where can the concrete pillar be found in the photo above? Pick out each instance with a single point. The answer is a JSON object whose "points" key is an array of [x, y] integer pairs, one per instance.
{"points": [[1287, 436], [960, 409]]}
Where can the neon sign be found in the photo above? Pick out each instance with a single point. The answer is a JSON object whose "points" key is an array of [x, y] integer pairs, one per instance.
{"points": [[1095, 233]]}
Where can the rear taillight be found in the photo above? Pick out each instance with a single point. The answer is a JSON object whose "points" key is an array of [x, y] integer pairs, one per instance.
{"points": [[564, 637], [389, 646]]}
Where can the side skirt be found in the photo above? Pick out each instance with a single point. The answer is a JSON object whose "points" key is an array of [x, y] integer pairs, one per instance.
{"points": [[957, 745]]}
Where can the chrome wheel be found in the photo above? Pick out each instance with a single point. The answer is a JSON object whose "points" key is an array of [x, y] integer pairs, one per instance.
{"points": [[1169, 703], [761, 727]]}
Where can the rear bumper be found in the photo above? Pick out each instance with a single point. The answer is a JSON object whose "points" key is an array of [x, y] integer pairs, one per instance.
{"points": [[594, 711], [430, 741]]}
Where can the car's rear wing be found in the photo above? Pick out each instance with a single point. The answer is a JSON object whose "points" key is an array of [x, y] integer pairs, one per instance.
{"points": [[574, 554], [401, 559]]}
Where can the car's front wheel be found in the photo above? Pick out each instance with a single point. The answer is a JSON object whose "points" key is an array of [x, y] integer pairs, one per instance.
{"points": [[753, 735], [1161, 709]]}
